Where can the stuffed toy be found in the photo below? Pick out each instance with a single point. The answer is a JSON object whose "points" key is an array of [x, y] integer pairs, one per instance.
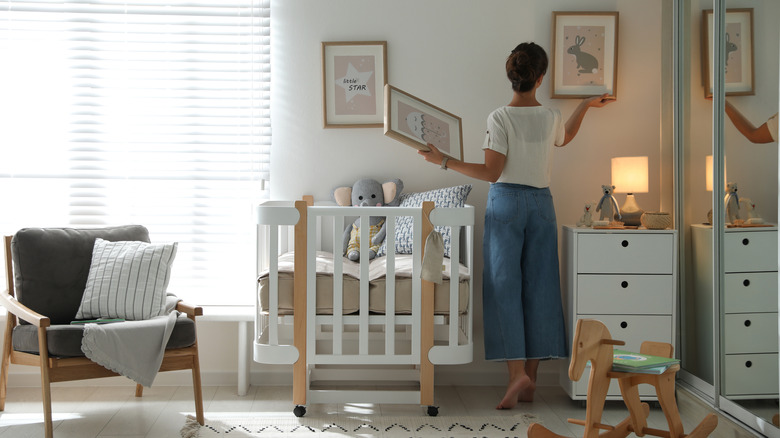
{"points": [[367, 192], [586, 220], [732, 202], [608, 204], [750, 208]]}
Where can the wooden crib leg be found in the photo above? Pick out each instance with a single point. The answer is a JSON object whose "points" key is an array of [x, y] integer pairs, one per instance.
{"points": [[426, 367]]}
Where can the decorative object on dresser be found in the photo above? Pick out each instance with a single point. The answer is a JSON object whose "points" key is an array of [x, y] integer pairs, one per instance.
{"points": [[608, 205], [656, 220], [626, 279], [586, 220], [629, 175]]}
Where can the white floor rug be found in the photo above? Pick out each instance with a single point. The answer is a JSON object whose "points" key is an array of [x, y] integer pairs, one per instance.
{"points": [[343, 426]]}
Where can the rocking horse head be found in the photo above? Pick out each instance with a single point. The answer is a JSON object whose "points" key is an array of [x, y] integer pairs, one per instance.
{"points": [[588, 346]]}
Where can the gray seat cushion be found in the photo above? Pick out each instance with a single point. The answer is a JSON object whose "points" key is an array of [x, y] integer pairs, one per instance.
{"points": [[65, 340], [51, 266]]}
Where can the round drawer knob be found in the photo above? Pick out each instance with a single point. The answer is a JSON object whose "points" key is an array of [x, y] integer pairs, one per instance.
{"points": [[624, 284], [747, 323], [624, 243], [746, 283], [746, 241], [748, 364], [623, 324]]}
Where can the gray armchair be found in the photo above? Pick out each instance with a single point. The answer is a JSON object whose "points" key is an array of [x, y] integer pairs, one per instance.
{"points": [[46, 272]]}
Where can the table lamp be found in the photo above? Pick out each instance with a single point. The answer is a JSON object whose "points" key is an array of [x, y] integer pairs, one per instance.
{"points": [[629, 175]]}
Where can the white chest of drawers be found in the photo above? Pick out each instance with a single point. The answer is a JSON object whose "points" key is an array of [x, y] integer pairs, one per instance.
{"points": [[749, 352], [626, 279]]}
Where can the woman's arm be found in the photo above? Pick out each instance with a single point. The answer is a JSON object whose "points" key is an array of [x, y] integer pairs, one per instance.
{"points": [[489, 171], [575, 120], [743, 125]]}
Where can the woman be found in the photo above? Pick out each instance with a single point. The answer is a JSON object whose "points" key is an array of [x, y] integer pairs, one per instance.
{"points": [[523, 314]]}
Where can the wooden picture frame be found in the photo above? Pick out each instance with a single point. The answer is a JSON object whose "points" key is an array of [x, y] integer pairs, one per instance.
{"points": [[584, 55], [740, 65], [416, 123], [354, 74]]}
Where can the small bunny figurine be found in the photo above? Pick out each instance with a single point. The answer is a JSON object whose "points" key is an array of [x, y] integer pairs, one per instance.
{"points": [[586, 63], [586, 220], [750, 207]]}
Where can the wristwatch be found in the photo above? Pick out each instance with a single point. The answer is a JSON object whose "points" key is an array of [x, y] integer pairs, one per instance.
{"points": [[444, 162]]}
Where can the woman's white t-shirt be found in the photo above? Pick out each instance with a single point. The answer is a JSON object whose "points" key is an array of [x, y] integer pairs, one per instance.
{"points": [[772, 125], [526, 136]]}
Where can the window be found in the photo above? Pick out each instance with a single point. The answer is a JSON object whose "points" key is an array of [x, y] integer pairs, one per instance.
{"points": [[138, 111]]}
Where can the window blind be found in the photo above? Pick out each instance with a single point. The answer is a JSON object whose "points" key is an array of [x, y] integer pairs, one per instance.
{"points": [[149, 112]]}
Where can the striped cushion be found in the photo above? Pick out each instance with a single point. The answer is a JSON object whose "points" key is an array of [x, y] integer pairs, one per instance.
{"points": [[449, 197], [127, 280]]}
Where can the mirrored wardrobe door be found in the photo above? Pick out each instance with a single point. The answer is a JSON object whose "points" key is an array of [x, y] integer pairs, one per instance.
{"points": [[694, 138], [748, 294]]}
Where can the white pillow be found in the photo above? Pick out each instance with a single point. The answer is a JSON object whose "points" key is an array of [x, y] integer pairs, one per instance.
{"points": [[127, 280], [449, 197]]}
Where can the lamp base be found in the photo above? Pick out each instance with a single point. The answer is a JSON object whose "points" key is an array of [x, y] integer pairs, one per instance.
{"points": [[630, 212]]}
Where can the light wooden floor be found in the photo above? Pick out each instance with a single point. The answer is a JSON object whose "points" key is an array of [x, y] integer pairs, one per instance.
{"points": [[110, 411]]}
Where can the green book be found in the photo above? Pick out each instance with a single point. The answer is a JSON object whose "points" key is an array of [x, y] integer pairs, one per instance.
{"points": [[629, 361], [97, 321]]}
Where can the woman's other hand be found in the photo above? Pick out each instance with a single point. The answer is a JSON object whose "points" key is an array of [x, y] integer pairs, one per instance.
{"points": [[432, 155], [600, 101]]}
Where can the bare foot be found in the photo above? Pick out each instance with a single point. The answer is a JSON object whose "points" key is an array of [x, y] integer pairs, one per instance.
{"points": [[513, 392], [527, 394]]}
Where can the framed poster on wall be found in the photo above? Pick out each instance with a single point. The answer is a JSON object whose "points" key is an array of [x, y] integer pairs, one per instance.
{"points": [[353, 78], [584, 54], [739, 52]]}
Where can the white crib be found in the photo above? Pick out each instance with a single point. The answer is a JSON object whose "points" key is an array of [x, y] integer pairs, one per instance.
{"points": [[367, 341]]}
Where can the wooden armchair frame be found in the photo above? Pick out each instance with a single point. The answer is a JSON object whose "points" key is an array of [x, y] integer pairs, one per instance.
{"points": [[76, 368], [592, 342]]}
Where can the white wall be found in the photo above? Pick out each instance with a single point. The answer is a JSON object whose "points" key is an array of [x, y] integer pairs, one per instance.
{"points": [[452, 53]]}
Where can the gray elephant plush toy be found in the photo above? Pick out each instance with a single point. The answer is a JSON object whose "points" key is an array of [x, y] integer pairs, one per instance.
{"points": [[371, 193]]}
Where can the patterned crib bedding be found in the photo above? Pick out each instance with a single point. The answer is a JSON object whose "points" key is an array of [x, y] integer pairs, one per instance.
{"points": [[351, 286]]}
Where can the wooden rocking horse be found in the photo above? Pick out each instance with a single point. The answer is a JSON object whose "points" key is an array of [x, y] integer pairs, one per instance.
{"points": [[592, 342]]}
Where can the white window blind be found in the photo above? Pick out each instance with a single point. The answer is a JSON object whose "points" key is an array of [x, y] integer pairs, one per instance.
{"points": [[148, 112]]}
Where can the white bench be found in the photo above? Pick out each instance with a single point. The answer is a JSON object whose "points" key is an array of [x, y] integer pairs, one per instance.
{"points": [[243, 315]]}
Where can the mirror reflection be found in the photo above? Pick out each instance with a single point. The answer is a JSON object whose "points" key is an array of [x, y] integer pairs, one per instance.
{"points": [[747, 359]]}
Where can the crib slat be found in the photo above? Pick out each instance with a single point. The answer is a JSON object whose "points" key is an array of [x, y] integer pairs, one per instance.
{"points": [[273, 289], [365, 243], [338, 283], [390, 288], [454, 284]]}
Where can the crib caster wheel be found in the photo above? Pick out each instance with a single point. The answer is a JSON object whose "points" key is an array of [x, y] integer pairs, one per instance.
{"points": [[433, 411], [299, 411]]}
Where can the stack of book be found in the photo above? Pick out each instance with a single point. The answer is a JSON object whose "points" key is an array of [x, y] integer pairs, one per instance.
{"points": [[630, 362]]}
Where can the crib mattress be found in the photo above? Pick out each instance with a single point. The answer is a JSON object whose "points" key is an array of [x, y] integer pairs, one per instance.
{"points": [[351, 286]]}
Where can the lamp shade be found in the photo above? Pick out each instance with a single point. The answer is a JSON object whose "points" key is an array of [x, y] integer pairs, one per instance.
{"points": [[708, 172], [629, 174]]}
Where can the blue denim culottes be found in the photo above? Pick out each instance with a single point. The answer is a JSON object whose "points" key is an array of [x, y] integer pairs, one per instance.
{"points": [[521, 291]]}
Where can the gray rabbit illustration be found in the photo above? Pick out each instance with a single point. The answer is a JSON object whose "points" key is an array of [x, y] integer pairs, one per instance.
{"points": [[730, 47], [586, 62]]}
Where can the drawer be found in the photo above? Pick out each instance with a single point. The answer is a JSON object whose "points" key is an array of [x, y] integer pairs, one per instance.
{"points": [[635, 329], [750, 251], [750, 292], [625, 294], [630, 253], [750, 333], [750, 374]]}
